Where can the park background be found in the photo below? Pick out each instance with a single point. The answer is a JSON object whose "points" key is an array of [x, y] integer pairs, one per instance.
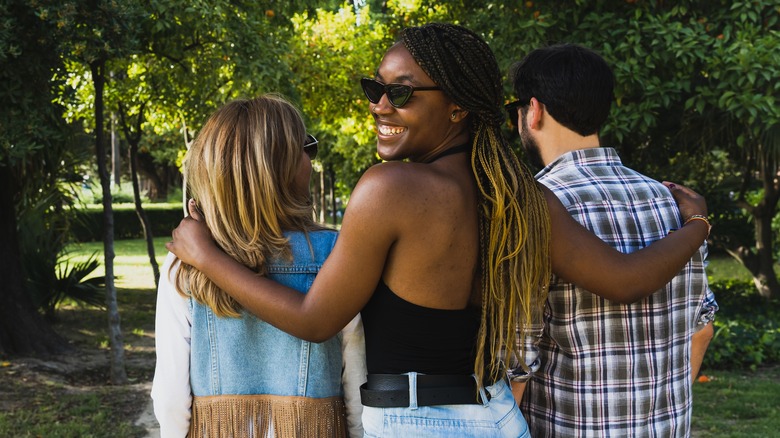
{"points": [[102, 97]]}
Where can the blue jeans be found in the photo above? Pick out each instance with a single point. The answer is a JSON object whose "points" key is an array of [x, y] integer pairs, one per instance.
{"points": [[499, 417]]}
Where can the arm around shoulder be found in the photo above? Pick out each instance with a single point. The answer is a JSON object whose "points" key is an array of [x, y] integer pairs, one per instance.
{"points": [[580, 257]]}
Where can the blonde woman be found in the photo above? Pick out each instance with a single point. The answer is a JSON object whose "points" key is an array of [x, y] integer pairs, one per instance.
{"points": [[220, 370]]}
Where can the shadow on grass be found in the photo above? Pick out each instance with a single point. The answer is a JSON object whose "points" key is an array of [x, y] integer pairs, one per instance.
{"points": [[71, 395]]}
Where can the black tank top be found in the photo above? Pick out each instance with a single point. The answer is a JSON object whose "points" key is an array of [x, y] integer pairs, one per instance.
{"points": [[403, 337]]}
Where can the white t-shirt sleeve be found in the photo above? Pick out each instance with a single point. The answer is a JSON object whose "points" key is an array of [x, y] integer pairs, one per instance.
{"points": [[353, 352], [171, 391]]}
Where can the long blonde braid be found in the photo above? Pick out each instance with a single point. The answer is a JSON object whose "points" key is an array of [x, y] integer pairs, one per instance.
{"points": [[514, 225]]}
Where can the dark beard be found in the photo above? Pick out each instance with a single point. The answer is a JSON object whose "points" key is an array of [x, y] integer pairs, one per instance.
{"points": [[530, 147]]}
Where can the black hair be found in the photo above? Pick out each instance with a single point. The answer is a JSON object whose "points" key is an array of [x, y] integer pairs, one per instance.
{"points": [[574, 83]]}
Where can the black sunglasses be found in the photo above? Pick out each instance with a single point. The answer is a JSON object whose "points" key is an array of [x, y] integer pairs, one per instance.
{"points": [[397, 94], [511, 110], [513, 105], [311, 146]]}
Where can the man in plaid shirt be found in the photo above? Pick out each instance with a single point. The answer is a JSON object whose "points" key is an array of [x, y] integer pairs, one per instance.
{"points": [[605, 368]]}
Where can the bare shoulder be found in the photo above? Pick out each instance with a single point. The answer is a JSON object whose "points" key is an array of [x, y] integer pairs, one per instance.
{"points": [[393, 181]]}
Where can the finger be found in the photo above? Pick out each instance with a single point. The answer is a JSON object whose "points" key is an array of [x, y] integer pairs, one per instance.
{"points": [[679, 190], [670, 185], [195, 213], [169, 246]]}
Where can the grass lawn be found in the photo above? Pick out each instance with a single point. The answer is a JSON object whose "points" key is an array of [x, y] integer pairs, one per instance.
{"points": [[131, 262], [724, 267], [70, 395], [737, 404]]}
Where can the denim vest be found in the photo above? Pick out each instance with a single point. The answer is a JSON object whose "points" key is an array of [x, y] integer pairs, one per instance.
{"points": [[248, 356]]}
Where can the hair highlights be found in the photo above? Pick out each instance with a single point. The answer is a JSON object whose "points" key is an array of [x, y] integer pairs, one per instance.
{"points": [[240, 170], [514, 225]]}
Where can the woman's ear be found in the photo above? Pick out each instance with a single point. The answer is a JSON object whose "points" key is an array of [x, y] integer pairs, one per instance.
{"points": [[458, 114]]}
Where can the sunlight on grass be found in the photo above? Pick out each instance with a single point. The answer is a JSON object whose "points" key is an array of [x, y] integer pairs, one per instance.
{"points": [[132, 269], [724, 267]]}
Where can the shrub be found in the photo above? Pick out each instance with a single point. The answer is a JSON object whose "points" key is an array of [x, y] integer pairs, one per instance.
{"points": [[163, 218], [747, 328]]}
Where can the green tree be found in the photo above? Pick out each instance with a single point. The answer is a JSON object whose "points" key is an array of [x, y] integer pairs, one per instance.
{"points": [[735, 100], [33, 144], [94, 32], [328, 56], [696, 98]]}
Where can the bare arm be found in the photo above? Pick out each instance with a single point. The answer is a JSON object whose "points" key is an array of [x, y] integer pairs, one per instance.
{"points": [[342, 287], [578, 256], [699, 343], [518, 389]]}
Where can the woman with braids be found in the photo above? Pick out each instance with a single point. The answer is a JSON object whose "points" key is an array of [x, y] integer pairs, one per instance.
{"points": [[222, 372], [445, 249]]}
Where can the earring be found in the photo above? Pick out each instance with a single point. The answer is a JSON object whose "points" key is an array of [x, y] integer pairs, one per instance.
{"points": [[454, 113]]}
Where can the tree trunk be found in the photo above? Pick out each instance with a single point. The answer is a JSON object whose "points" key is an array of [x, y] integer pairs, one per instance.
{"points": [[139, 209], [320, 195], [117, 356], [23, 331], [760, 261], [145, 165], [332, 192], [764, 276], [116, 155], [133, 139]]}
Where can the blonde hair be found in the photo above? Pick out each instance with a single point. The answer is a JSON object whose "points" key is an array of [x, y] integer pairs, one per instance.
{"points": [[241, 171], [514, 222]]}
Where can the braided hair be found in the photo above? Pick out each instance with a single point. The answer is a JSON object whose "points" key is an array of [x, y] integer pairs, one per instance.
{"points": [[514, 225]]}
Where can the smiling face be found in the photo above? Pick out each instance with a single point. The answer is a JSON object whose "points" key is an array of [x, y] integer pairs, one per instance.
{"points": [[423, 125]]}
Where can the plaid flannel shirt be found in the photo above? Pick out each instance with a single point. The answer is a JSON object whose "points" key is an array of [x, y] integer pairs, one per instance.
{"points": [[609, 369]]}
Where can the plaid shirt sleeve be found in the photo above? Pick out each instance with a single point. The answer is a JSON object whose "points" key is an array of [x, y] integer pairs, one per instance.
{"points": [[522, 370]]}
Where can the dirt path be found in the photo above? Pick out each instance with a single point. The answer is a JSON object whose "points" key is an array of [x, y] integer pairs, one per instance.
{"points": [[147, 419]]}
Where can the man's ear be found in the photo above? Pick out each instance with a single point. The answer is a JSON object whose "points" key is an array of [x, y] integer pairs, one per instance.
{"points": [[535, 117]]}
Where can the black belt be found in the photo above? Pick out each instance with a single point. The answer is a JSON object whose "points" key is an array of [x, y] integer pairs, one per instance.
{"points": [[392, 390]]}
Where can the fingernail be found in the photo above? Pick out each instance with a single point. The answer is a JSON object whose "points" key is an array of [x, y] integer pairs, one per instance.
{"points": [[671, 186]]}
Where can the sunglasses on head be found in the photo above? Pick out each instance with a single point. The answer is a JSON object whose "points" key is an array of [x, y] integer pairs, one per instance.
{"points": [[311, 146], [397, 94]]}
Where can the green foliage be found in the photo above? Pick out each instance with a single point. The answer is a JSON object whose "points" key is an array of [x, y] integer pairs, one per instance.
{"points": [[330, 95], [696, 98], [72, 284], [28, 121], [747, 328], [44, 223]]}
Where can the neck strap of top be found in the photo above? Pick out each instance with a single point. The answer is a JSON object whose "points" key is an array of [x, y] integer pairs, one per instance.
{"points": [[466, 147]]}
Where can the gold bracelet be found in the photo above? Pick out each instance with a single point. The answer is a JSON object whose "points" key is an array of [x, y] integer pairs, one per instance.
{"points": [[699, 217]]}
